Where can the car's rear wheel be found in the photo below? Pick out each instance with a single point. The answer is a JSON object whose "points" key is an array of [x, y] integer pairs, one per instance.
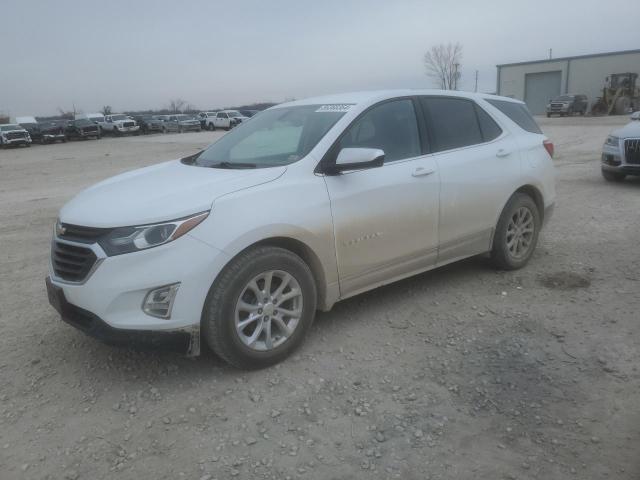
{"points": [[259, 308], [516, 234], [613, 176], [212, 127]]}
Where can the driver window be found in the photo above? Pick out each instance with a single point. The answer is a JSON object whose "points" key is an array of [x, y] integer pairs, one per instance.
{"points": [[390, 126]]}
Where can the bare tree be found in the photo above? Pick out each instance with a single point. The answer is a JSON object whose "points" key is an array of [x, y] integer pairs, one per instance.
{"points": [[68, 114], [106, 110], [177, 105], [443, 65]]}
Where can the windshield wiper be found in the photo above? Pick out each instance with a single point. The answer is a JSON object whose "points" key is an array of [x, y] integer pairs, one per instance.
{"points": [[233, 165]]}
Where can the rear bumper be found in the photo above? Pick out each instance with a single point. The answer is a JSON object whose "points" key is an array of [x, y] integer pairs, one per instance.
{"points": [[185, 341]]}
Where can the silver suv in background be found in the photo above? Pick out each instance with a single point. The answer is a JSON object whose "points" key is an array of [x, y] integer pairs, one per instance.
{"points": [[621, 151]]}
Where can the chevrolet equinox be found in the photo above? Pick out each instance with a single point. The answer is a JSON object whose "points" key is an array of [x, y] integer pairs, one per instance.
{"points": [[308, 203]]}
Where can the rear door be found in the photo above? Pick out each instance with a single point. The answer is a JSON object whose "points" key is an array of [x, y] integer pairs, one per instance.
{"points": [[385, 219], [478, 163]]}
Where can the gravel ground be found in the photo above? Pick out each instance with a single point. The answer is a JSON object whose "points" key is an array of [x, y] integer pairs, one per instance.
{"points": [[460, 373]]}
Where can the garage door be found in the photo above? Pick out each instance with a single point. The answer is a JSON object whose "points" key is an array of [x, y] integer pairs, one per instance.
{"points": [[539, 88]]}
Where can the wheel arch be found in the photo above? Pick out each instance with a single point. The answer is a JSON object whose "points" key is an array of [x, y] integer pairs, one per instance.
{"points": [[528, 189], [535, 193], [307, 254]]}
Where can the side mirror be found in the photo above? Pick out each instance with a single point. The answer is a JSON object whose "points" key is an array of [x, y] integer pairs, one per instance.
{"points": [[635, 115], [357, 159]]}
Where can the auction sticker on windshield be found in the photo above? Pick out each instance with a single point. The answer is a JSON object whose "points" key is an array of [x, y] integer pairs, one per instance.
{"points": [[335, 108]]}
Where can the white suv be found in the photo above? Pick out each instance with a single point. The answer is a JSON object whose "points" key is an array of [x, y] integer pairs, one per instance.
{"points": [[309, 203]]}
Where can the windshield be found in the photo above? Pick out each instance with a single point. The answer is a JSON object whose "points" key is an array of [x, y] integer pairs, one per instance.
{"points": [[233, 114], [97, 119], [564, 98], [83, 122], [116, 118], [7, 128], [276, 137], [182, 118]]}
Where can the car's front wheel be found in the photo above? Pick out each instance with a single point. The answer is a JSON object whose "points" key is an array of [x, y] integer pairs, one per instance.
{"points": [[260, 307], [613, 176], [516, 234]]}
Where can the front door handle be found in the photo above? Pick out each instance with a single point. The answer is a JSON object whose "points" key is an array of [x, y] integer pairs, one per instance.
{"points": [[422, 172], [503, 152]]}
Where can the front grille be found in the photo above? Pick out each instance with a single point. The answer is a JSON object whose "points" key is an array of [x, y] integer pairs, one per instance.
{"points": [[632, 151], [91, 129], [556, 106], [77, 233], [14, 135], [70, 262], [128, 124]]}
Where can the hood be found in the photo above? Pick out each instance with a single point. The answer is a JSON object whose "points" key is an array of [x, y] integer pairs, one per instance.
{"points": [[630, 130], [158, 193]]}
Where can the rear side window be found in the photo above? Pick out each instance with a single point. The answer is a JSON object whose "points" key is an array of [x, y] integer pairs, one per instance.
{"points": [[489, 128], [517, 112], [390, 126], [452, 123]]}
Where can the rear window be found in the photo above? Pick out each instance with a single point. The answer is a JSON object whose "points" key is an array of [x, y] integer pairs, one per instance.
{"points": [[517, 112], [452, 123]]}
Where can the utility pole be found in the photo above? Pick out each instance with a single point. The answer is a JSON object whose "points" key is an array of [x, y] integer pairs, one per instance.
{"points": [[476, 87], [550, 53]]}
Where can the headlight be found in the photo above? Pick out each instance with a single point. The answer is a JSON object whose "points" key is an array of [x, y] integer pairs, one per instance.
{"points": [[612, 140], [133, 239]]}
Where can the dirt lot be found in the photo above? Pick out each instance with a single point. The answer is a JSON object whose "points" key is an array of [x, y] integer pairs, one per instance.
{"points": [[460, 373]]}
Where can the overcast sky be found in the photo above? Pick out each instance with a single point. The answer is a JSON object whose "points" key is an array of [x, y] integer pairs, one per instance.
{"points": [[139, 54]]}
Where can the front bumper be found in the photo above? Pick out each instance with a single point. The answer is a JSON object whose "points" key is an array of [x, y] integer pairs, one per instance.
{"points": [[613, 160], [53, 137], [183, 341], [127, 129], [113, 294], [16, 141]]}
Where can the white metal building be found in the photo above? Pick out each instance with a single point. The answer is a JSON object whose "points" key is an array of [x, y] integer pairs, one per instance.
{"points": [[538, 81]]}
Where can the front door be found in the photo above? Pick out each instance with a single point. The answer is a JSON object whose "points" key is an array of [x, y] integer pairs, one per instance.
{"points": [[385, 219]]}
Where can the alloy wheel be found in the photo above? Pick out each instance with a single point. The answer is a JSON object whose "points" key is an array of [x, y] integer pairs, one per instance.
{"points": [[520, 232], [268, 310]]}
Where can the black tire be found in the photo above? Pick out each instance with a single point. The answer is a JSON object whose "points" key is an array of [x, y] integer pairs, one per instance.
{"points": [[613, 176], [548, 115], [218, 316], [501, 254], [212, 127]]}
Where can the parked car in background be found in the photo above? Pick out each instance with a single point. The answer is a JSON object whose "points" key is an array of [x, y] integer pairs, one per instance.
{"points": [[147, 123], [120, 124], [12, 134], [82, 129], [568, 105], [227, 119], [181, 123], [30, 124], [206, 118], [314, 201], [249, 113], [621, 152], [97, 118], [50, 131]]}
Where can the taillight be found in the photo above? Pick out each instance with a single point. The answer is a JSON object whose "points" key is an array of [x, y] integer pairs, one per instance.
{"points": [[548, 145]]}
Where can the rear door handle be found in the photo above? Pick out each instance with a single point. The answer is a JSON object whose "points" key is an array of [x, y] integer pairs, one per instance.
{"points": [[422, 172], [503, 152]]}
